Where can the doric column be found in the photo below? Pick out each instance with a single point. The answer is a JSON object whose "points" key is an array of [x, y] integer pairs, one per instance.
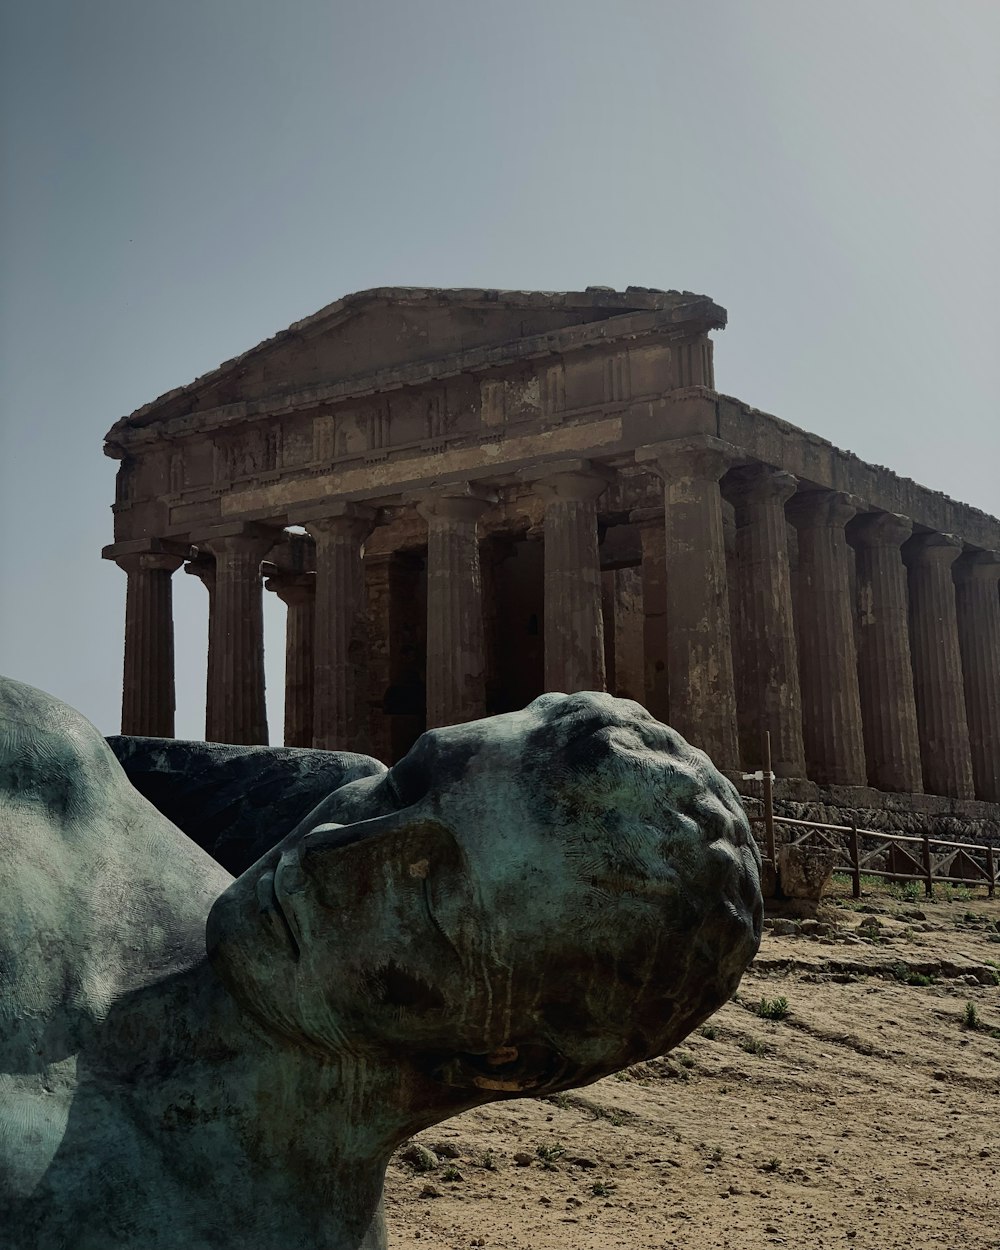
{"points": [[148, 685], [297, 591], [937, 665], [828, 667], [574, 624], [978, 610], [699, 655], [769, 696], [340, 707], [653, 538], [885, 672], [456, 660], [236, 710]]}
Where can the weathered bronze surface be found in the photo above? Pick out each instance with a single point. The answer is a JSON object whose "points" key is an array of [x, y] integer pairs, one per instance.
{"points": [[522, 904]]}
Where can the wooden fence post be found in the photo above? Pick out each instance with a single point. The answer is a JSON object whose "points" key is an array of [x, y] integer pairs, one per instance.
{"points": [[928, 877], [855, 861], [991, 869]]}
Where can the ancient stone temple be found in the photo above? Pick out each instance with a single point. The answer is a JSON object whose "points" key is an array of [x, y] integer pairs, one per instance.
{"points": [[466, 497]]}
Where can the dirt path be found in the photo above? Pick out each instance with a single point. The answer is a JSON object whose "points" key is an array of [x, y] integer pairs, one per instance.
{"points": [[869, 1117]]}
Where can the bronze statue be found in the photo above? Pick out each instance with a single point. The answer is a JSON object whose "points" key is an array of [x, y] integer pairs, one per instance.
{"points": [[522, 904]]}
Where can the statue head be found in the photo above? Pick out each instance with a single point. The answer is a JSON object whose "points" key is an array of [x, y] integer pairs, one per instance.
{"points": [[521, 904]]}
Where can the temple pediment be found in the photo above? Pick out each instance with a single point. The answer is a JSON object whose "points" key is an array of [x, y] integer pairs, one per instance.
{"points": [[386, 329]]}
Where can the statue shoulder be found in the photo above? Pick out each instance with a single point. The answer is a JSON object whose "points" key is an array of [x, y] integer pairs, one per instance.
{"points": [[51, 757]]}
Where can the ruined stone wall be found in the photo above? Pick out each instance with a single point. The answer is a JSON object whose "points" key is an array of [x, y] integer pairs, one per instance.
{"points": [[911, 814]]}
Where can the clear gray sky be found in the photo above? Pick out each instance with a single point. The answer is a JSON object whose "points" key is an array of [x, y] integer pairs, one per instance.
{"points": [[181, 179]]}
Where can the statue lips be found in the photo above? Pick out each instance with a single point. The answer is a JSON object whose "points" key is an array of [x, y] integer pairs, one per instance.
{"points": [[527, 1068]]}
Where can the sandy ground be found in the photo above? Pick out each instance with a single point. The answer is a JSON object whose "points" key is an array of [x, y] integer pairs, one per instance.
{"points": [[869, 1117]]}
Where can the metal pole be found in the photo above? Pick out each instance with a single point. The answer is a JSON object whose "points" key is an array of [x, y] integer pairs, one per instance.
{"points": [[855, 861], [769, 801]]}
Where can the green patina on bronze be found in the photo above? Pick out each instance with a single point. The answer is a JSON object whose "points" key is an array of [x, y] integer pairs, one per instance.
{"points": [[523, 904]]}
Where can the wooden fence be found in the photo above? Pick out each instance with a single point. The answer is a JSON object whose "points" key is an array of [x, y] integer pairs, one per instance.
{"points": [[892, 856]]}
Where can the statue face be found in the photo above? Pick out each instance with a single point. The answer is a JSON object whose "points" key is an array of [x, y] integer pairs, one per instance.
{"points": [[524, 902]]}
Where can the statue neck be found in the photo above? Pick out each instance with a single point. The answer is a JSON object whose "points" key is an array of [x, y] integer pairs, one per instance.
{"points": [[186, 1038], [235, 1118]]}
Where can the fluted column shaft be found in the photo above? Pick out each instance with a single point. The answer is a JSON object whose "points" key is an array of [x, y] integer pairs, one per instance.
{"points": [[456, 649], [148, 683], [574, 622], [885, 671], [978, 610], [236, 710], [937, 666], [297, 591], [340, 708], [769, 696], [828, 669], [700, 677], [651, 525]]}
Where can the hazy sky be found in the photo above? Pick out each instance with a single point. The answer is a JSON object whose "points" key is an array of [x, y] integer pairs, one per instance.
{"points": [[180, 180]]}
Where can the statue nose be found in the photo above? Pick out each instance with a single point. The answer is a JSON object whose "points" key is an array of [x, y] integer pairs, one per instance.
{"points": [[289, 881], [289, 872]]}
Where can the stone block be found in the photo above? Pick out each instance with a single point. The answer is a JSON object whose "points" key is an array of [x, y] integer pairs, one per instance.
{"points": [[804, 873]]}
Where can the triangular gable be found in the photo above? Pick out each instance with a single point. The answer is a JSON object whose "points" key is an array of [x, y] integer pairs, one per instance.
{"points": [[378, 338], [391, 327]]}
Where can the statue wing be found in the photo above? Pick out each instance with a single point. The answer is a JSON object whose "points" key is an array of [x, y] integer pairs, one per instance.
{"points": [[236, 802]]}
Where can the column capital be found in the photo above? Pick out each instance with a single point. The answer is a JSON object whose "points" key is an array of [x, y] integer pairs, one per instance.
{"points": [[152, 547], [149, 562], [880, 529], [202, 566], [759, 483], [459, 501], [703, 457], [821, 509], [577, 481], [238, 538], [293, 552], [342, 520], [932, 549], [290, 587], [978, 566]]}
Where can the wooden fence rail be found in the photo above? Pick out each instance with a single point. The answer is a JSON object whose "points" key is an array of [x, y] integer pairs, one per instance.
{"points": [[893, 856]]}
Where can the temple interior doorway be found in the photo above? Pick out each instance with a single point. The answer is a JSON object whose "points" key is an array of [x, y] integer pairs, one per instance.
{"points": [[397, 605], [515, 673]]}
